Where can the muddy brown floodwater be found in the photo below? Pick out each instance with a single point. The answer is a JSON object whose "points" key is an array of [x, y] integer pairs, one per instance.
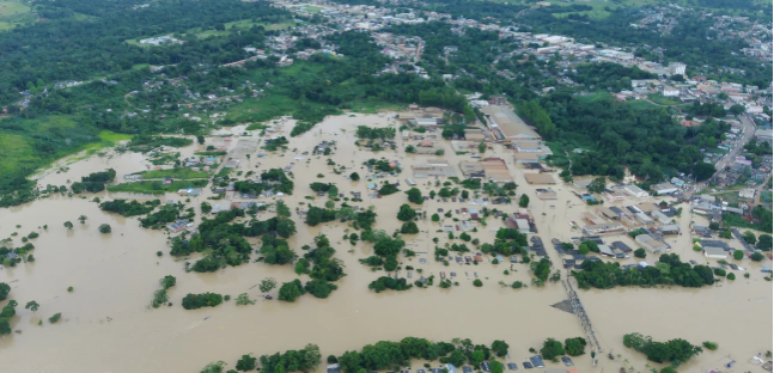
{"points": [[108, 326]]}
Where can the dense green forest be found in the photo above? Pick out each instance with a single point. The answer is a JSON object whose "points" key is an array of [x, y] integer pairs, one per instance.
{"points": [[82, 47], [648, 141]]}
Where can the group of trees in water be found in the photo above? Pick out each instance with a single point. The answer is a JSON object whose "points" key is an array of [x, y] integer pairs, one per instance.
{"points": [[95, 182], [387, 354], [669, 270], [226, 240], [675, 351]]}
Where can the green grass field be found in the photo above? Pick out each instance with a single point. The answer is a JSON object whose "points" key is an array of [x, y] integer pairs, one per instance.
{"points": [[372, 107], [176, 173], [731, 197], [15, 153], [641, 105], [21, 148], [310, 8], [211, 153], [157, 187], [140, 66], [107, 139], [14, 13], [262, 109], [243, 24], [661, 100], [594, 97], [598, 11]]}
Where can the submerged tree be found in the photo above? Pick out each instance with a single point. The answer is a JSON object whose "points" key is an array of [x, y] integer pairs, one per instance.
{"points": [[267, 285], [32, 306]]}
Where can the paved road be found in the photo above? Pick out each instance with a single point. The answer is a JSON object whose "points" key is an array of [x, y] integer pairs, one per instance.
{"points": [[749, 132]]}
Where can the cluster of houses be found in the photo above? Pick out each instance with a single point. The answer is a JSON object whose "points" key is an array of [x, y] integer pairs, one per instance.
{"points": [[708, 206]]}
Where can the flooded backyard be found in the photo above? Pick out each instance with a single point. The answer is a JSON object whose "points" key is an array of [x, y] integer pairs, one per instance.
{"points": [[108, 325]]}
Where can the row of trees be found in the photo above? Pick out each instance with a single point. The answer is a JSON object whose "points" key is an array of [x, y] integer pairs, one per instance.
{"points": [[194, 301], [386, 354], [552, 349], [95, 182], [669, 270], [130, 208], [675, 351], [374, 133]]}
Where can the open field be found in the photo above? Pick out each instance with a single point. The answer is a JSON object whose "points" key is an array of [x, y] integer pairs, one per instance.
{"points": [[42, 141], [13, 13], [156, 187], [594, 97], [371, 107], [310, 8], [243, 24], [641, 105], [175, 173], [661, 100]]}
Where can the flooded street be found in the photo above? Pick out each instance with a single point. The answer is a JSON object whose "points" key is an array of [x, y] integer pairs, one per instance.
{"points": [[108, 325]]}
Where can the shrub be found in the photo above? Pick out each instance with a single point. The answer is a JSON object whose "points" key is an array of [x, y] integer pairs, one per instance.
{"points": [[246, 363], [332, 359], [104, 228], [4, 290], [70, 289], [409, 228], [551, 349], [477, 283], [640, 253], [738, 254], [244, 299], [55, 318], [290, 291], [731, 276], [719, 272], [320, 288], [575, 346], [517, 285], [194, 301], [756, 257], [712, 346], [696, 248]]}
